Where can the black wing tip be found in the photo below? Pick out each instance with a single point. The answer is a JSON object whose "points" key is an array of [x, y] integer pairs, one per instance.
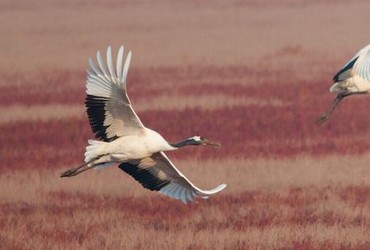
{"points": [[347, 67], [144, 176], [95, 108]]}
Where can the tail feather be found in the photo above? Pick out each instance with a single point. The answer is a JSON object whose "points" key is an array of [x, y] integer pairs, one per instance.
{"points": [[93, 150]]}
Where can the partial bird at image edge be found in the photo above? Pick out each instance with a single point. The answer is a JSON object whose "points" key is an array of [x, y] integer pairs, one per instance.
{"points": [[352, 78]]}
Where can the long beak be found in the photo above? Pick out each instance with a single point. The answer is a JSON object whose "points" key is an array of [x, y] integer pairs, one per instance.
{"points": [[211, 143], [325, 116]]}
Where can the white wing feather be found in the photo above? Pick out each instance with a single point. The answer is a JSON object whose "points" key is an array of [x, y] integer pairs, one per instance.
{"points": [[102, 66], [108, 106], [125, 68], [362, 66], [198, 191], [119, 62], [158, 173], [112, 72]]}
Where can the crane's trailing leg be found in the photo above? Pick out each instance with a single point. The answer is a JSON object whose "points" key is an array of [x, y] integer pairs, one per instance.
{"points": [[75, 171], [325, 116]]}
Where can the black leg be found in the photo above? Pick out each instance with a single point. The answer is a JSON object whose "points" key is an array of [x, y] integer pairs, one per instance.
{"points": [[78, 171], [74, 171], [325, 116]]}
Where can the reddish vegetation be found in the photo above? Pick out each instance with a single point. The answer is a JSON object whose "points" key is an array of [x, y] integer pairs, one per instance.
{"points": [[299, 217], [291, 185], [42, 88], [244, 220], [244, 131]]}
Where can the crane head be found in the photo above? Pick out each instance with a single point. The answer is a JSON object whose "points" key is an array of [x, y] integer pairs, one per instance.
{"points": [[195, 140], [198, 140]]}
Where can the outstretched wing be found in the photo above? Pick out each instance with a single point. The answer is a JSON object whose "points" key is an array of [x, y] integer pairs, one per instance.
{"points": [[359, 64], [108, 106], [159, 174], [362, 66], [345, 72]]}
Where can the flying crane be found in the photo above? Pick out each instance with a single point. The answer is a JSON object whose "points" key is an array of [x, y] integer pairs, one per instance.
{"points": [[138, 150], [353, 78]]}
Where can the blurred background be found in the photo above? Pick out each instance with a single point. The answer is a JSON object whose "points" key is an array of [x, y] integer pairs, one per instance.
{"points": [[63, 34], [253, 75]]}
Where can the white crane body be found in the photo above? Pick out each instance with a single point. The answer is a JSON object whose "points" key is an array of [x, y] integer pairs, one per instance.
{"points": [[352, 78], [125, 140], [130, 147]]}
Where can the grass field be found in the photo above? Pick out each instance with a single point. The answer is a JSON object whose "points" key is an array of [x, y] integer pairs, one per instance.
{"points": [[240, 73], [291, 184]]}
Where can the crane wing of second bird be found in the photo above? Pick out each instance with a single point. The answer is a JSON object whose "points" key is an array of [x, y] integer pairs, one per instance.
{"points": [[359, 64], [362, 67], [158, 173], [108, 106]]}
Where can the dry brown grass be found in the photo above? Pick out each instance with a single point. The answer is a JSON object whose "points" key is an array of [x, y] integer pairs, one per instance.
{"points": [[265, 175], [18, 113], [301, 203]]}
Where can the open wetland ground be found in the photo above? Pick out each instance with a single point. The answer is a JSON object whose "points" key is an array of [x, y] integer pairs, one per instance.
{"points": [[291, 184]]}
